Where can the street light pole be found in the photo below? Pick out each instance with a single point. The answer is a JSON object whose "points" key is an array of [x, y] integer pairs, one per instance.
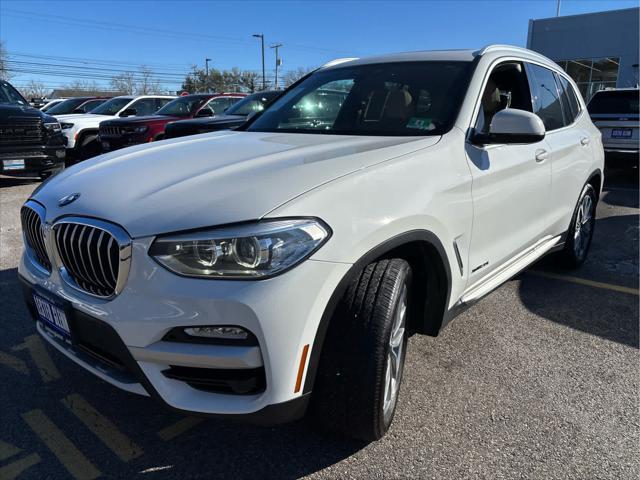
{"points": [[276, 46], [206, 69], [261, 37]]}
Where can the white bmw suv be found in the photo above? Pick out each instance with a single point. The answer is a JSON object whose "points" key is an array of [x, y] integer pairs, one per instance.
{"points": [[238, 273]]}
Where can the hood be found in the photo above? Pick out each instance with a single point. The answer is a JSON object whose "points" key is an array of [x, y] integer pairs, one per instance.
{"points": [[69, 117], [8, 110], [212, 179], [144, 119]]}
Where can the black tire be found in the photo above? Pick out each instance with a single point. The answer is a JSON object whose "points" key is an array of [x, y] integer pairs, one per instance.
{"points": [[579, 238], [87, 147], [349, 392]]}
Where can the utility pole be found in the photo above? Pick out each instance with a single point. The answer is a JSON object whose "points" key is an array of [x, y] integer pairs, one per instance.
{"points": [[276, 46], [558, 9], [261, 37], [206, 69]]}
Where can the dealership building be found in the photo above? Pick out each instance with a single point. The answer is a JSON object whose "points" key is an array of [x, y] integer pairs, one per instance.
{"points": [[598, 50]]}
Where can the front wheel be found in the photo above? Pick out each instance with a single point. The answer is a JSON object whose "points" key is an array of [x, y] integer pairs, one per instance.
{"points": [[363, 359], [581, 229]]}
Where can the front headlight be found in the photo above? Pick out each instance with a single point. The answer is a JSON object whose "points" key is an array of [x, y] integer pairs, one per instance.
{"points": [[66, 126], [52, 126], [254, 250]]}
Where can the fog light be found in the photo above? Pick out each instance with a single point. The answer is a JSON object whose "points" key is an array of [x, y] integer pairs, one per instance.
{"points": [[228, 333]]}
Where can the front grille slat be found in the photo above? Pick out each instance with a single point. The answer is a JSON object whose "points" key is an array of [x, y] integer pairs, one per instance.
{"points": [[90, 257], [34, 236]]}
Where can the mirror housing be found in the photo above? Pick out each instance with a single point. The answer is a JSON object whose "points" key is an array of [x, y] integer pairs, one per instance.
{"points": [[512, 125], [129, 112]]}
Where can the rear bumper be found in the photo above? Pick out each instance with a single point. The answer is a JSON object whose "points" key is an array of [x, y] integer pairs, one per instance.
{"points": [[37, 159]]}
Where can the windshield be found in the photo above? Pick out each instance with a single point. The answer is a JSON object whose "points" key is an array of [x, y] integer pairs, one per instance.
{"points": [[68, 106], [111, 107], [615, 101], [252, 103], [181, 107], [408, 98], [8, 94]]}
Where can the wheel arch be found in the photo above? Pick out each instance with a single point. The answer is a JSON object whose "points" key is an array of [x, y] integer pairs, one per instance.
{"points": [[596, 180], [431, 275]]}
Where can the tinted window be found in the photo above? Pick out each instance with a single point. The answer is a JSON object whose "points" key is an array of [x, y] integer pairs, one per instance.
{"points": [[615, 101], [111, 107], [90, 105], [145, 106], [218, 105], [161, 102], [404, 98], [68, 106], [252, 103], [8, 94], [546, 101], [570, 104], [180, 107]]}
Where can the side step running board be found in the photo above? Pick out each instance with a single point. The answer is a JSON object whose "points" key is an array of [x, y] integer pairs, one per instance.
{"points": [[510, 269]]}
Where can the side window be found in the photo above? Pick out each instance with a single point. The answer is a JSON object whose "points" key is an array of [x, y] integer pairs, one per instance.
{"points": [[507, 87], [571, 95], [546, 101], [161, 102], [146, 106]]}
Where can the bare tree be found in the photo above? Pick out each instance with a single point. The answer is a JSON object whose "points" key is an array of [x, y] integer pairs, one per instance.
{"points": [[35, 89], [125, 83], [293, 76], [82, 87], [147, 84], [5, 74]]}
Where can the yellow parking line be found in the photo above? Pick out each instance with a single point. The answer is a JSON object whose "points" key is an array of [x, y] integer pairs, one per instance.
{"points": [[14, 363], [103, 428], [73, 460], [178, 428], [588, 283], [7, 450], [11, 471], [40, 357]]}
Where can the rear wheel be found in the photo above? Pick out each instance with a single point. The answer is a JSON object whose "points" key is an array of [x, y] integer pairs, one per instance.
{"points": [[363, 358], [581, 229]]}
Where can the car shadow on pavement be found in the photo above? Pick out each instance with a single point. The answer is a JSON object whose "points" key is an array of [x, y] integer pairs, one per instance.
{"points": [[17, 181], [607, 313]]}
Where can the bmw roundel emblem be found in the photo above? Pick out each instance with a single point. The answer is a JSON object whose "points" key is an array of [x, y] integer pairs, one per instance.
{"points": [[67, 199]]}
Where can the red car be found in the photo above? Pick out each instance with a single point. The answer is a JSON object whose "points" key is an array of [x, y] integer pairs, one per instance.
{"points": [[124, 132]]}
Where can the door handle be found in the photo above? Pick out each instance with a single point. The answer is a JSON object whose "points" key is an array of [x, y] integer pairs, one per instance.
{"points": [[584, 141], [541, 155]]}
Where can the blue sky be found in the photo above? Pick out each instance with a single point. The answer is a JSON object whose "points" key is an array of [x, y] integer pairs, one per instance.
{"points": [[171, 35]]}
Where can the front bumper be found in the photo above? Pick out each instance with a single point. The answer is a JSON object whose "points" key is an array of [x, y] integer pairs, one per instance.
{"points": [[282, 312], [109, 143], [36, 160]]}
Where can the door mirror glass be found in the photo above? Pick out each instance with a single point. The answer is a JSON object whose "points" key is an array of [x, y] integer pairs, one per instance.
{"points": [[129, 112], [512, 126]]}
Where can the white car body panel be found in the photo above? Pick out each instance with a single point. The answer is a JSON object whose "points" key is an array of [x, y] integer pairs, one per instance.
{"points": [[494, 204]]}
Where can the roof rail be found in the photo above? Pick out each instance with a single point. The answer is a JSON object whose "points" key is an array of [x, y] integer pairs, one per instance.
{"points": [[338, 61], [513, 48]]}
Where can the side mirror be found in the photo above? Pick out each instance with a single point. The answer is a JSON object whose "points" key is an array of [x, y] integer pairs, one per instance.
{"points": [[129, 112], [512, 126], [205, 112]]}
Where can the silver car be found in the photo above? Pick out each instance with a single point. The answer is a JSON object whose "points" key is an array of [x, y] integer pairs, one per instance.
{"points": [[615, 113]]}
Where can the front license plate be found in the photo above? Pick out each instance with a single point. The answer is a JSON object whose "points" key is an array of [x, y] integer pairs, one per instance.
{"points": [[13, 164], [52, 315], [621, 133]]}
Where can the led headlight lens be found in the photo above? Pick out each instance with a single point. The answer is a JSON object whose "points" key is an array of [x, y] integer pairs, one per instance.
{"points": [[52, 126], [244, 251], [66, 126]]}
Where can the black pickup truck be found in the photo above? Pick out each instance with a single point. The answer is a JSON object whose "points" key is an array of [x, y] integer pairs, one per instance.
{"points": [[31, 142]]}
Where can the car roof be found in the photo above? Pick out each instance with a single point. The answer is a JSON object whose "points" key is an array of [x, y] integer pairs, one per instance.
{"points": [[464, 55]]}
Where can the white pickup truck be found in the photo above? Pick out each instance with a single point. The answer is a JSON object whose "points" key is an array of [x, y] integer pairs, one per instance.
{"points": [[81, 130]]}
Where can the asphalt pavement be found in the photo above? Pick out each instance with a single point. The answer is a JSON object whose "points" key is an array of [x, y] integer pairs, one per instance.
{"points": [[538, 380]]}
